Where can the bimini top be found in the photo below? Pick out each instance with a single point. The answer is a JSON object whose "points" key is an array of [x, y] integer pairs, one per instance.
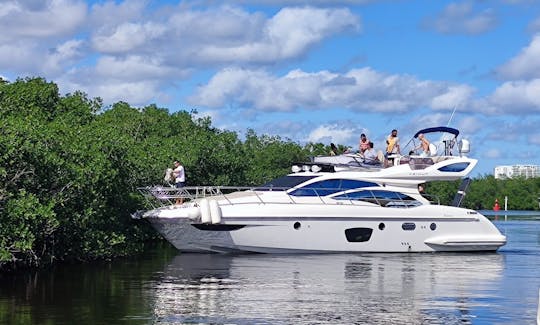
{"points": [[453, 131]]}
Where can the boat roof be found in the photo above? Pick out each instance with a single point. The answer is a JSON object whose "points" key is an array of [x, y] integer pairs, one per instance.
{"points": [[453, 131]]}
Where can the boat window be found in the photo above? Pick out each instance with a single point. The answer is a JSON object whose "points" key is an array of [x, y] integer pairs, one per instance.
{"points": [[420, 163], [408, 226], [383, 198], [457, 167], [284, 183], [330, 186], [356, 235], [349, 184]]}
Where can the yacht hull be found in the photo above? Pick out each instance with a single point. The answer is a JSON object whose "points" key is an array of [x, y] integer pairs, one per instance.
{"points": [[282, 228]]}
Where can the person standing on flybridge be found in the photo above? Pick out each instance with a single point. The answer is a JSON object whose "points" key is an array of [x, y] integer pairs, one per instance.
{"points": [[392, 147], [179, 178], [424, 145]]}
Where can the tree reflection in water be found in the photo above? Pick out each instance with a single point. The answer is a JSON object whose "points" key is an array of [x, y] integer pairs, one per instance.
{"points": [[165, 287]]}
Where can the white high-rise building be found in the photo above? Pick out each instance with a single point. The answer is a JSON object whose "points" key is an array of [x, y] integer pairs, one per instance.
{"points": [[526, 171]]}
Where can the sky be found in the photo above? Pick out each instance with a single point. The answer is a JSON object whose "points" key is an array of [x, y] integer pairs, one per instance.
{"points": [[305, 70]]}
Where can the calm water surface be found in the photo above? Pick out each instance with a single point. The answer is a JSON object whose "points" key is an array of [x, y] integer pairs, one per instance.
{"points": [[163, 287]]}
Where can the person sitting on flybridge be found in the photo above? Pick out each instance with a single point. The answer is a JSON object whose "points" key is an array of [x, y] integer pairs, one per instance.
{"points": [[370, 156], [363, 144]]}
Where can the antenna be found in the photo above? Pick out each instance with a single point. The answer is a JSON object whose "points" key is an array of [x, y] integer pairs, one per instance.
{"points": [[449, 144], [451, 116]]}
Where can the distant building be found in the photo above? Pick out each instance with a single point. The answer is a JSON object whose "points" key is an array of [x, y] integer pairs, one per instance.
{"points": [[525, 171]]}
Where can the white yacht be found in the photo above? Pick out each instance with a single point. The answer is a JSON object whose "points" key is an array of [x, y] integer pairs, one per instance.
{"points": [[332, 204]]}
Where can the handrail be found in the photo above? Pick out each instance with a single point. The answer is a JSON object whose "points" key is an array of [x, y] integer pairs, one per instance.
{"points": [[159, 196]]}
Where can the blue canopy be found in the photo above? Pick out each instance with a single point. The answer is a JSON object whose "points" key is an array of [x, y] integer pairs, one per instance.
{"points": [[455, 132]]}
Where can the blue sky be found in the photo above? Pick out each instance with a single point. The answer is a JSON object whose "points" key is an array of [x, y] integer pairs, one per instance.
{"points": [[316, 70]]}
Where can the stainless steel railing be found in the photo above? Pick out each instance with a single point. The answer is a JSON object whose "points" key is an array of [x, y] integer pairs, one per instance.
{"points": [[159, 196]]}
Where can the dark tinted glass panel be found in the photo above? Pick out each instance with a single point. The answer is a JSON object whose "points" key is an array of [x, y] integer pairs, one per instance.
{"points": [[356, 235], [408, 226], [355, 195], [387, 195], [326, 187], [384, 198], [330, 186], [349, 184], [284, 183], [459, 167]]}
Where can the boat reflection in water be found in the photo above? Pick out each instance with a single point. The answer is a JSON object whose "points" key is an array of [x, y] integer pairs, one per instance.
{"points": [[345, 289]]}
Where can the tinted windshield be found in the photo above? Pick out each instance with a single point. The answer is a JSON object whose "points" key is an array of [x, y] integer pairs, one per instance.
{"points": [[380, 197], [284, 183], [330, 186]]}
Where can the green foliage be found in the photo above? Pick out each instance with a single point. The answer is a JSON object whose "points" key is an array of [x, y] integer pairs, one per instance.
{"points": [[26, 226], [269, 157], [522, 193], [69, 170], [33, 98]]}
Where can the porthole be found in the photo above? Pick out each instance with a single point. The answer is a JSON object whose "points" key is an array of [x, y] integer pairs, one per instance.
{"points": [[433, 226], [381, 226], [408, 226], [297, 225]]}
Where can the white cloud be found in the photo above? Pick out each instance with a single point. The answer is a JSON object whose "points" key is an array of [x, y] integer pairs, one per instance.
{"points": [[526, 65], [493, 153], [294, 29], [306, 2], [359, 89], [455, 96], [61, 56], [216, 117], [289, 34], [469, 124], [332, 133], [110, 13], [460, 18], [127, 37], [426, 120], [137, 93], [230, 26], [141, 48], [133, 42], [50, 18], [516, 97], [225, 34], [36, 37], [132, 68], [134, 79], [19, 56]]}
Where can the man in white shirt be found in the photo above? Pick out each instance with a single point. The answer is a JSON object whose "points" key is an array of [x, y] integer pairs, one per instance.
{"points": [[370, 156], [179, 178]]}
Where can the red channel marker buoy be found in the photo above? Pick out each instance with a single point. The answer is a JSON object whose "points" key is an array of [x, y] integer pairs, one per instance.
{"points": [[496, 207]]}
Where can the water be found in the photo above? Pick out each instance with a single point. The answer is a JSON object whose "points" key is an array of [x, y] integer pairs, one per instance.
{"points": [[163, 287]]}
